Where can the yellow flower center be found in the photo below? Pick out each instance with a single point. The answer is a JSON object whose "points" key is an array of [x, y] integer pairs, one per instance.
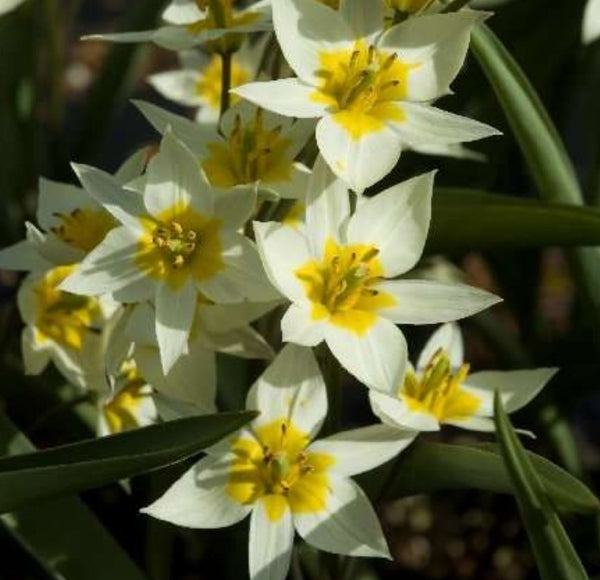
{"points": [[121, 412], [209, 86], [275, 467], [83, 229], [63, 317], [362, 86], [179, 244], [340, 287], [438, 390], [251, 153]]}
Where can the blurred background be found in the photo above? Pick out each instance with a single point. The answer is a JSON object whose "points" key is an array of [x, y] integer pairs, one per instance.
{"points": [[64, 100]]}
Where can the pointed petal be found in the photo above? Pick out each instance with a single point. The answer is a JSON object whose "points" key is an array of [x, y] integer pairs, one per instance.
{"points": [[517, 388], [23, 256], [292, 387], [288, 97], [298, 326], [270, 543], [244, 342], [304, 30], [365, 17], [428, 302], [396, 222], [424, 125], [361, 161], [198, 499], [447, 337], [282, 250], [377, 358], [125, 205], [216, 318], [393, 411], [234, 207], [178, 86], [348, 525], [327, 208], [183, 12], [363, 449], [35, 358], [174, 317], [591, 21], [55, 197]]}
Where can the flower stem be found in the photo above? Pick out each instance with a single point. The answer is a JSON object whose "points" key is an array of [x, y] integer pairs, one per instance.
{"points": [[225, 81]]}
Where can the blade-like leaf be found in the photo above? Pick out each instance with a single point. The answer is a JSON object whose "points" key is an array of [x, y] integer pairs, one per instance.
{"points": [[431, 467], [80, 466], [500, 221], [63, 535], [555, 556]]}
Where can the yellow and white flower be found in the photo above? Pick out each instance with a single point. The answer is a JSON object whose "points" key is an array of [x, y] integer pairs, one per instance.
{"points": [[177, 239], [194, 22], [63, 328], [274, 472], [591, 22], [253, 148], [441, 391], [338, 275], [372, 89]]}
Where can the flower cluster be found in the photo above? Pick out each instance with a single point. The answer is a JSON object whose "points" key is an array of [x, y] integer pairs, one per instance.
{"points": [[257, 210]]}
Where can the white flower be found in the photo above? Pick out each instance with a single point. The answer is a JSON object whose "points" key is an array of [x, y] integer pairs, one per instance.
{"points": [[178, 239], [371, 89], [338, 275], [274, 472], [198, 83], [8, 5], [440, 391], [254, 148], [63, 328], [591, 21], [194, 22]]}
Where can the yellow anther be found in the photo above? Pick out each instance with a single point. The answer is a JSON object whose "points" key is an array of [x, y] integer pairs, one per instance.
{"points": [[177, 228], [178, 261], [191, 235]]}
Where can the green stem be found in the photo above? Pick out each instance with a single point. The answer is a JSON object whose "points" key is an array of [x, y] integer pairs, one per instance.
{"points": [[55, 44], [332, 372], [225, 81]]}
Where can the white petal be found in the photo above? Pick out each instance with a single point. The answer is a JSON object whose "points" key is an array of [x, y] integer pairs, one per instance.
{"points": [[244, 342], [428, 302], [327, 208], [393, 411], [292, 387], [377, 358], [183, 12], [365, 17], [517, 388], [216, 318], [198, 498], [22, 256], [178, 86], [591, 21], [109, 267], [348, 525], [134, 166], [55, 197], [297, 326], [234, 207], [425, 125], [289, 97], [363, 449], [447, 337], [475, 423], [396, 222], [304, 30], [35, 358], [174, 317], [242, 278], [173, 178], [438, 44], [270, 544], [296, 187], [360, 162], [125, 205], [282, 249], [195, 136]]}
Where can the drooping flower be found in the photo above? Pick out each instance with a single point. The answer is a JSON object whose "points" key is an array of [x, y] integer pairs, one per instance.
{"points": [[177, 239], [372, 89], [274, 472], [338, 275], [194, 22], [254, 148], [442, 391]]}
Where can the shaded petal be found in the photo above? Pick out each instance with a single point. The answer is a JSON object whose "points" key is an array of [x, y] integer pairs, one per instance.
{"points": [[178, 86], [393, 411], [23, 256], [396, 222], [447, 337], [292, 387], [591, 21], [428, 302], [35, 358], [244, 342], [234, 207], [298, 326], [348, 525], [365, 17], [376, 358]]}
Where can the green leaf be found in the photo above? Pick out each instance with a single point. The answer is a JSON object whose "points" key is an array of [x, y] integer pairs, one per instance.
{"points": [[63, 535], [79, 466], [554, 553], [501, 221], [432, 467]]}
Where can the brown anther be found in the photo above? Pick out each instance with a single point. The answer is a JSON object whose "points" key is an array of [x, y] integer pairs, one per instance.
{"points": [[189, 247], [370, 254], [77, 211], [354, 56], [390, 60], [372, 292]]}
